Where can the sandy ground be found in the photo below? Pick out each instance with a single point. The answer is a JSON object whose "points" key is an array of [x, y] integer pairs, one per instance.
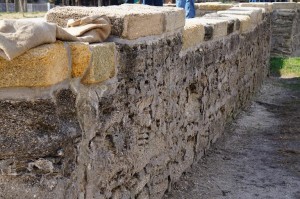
{"points": [[259, 155]]}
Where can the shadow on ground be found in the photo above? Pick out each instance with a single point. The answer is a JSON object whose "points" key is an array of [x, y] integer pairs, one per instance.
{"points": [[259, 155]]}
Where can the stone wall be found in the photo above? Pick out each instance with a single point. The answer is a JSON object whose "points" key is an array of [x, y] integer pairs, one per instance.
{"points": [[286, 30], [285, 23], [285, 27], [125, 118]]}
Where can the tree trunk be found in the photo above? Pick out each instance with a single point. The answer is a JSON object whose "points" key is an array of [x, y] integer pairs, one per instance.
{"points": [[25, 5], [16, 2], [6, 6], [21, 7]]}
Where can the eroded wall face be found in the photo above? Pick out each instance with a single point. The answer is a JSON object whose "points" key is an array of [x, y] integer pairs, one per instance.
{"points": [[132, 136], [285, 32]]}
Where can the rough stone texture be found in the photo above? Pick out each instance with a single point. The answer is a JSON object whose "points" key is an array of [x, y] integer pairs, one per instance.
{"points": [[210, 7], [103, 63], [132, 136], [40, 67], [285, 32], [267, 6], [255, 15], [219, 26], [233, 23], [245, 22], [37, 140], [193, 33], [129, 21], [81, 58], [284, 5]]}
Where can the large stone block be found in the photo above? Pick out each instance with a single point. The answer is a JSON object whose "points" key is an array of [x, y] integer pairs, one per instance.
{"points": [[212, 6], [128, 21], [39, 67], [103, 63], [219, 26], [193, 33], [284, 5], [267, 6], [81, 58], [255, 14], [233, 24], [245, 22]]}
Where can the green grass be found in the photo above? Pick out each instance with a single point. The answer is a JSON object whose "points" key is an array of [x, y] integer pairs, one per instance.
{"points": [[285, 67], [18, 15]]}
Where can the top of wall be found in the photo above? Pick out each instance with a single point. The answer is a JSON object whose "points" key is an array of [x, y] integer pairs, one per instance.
{"points": [[51, 64]]}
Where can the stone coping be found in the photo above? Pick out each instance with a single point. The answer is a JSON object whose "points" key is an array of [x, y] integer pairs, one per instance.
{"points": [[129, 21], [213, 6], [50, 64]]}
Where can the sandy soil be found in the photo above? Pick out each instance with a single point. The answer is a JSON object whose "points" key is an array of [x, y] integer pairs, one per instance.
{"points": [[259, 155]]}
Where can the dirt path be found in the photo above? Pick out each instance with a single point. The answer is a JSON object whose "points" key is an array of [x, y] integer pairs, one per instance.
{"points": [[259, 155]]}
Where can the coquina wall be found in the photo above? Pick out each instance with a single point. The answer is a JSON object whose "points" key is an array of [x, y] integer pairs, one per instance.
{"points": [[125, 118], [285, 28]]}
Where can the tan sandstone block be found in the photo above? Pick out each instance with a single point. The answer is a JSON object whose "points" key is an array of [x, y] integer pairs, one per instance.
{"points": [[103, 63], [233, 23], [212, 6], [129, 21], [267, 6], [174, 20], [193, 33], [39, 67], [219, 26], [169, 4], [81, 58], [245, 22], [255, 14], [284, 5]]}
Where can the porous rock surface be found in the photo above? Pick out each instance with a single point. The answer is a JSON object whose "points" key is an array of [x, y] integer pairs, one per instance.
{"points": [[134, 133]]}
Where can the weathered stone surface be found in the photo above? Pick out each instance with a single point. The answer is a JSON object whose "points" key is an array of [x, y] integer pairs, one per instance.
{"points": [[255, 14], [219, 26], [233, 23], [285, 32], [81, 58], [193, 33], [213, 6], [134, 135], [267, 6], [284, 5], [128, 20], [245, 22], [103, 63], [210, 7], [39, 67]]}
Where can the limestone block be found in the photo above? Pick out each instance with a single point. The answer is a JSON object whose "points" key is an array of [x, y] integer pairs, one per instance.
{"points": [[245, 22], [81, 58], [254, 14], [129, 21], [298, 5], [212, 6], [219, 26], [174, 20], [193, 33], [233, 24], [39, 67], [284, 5], [267, 6], [170, 4], [103, 63]]}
